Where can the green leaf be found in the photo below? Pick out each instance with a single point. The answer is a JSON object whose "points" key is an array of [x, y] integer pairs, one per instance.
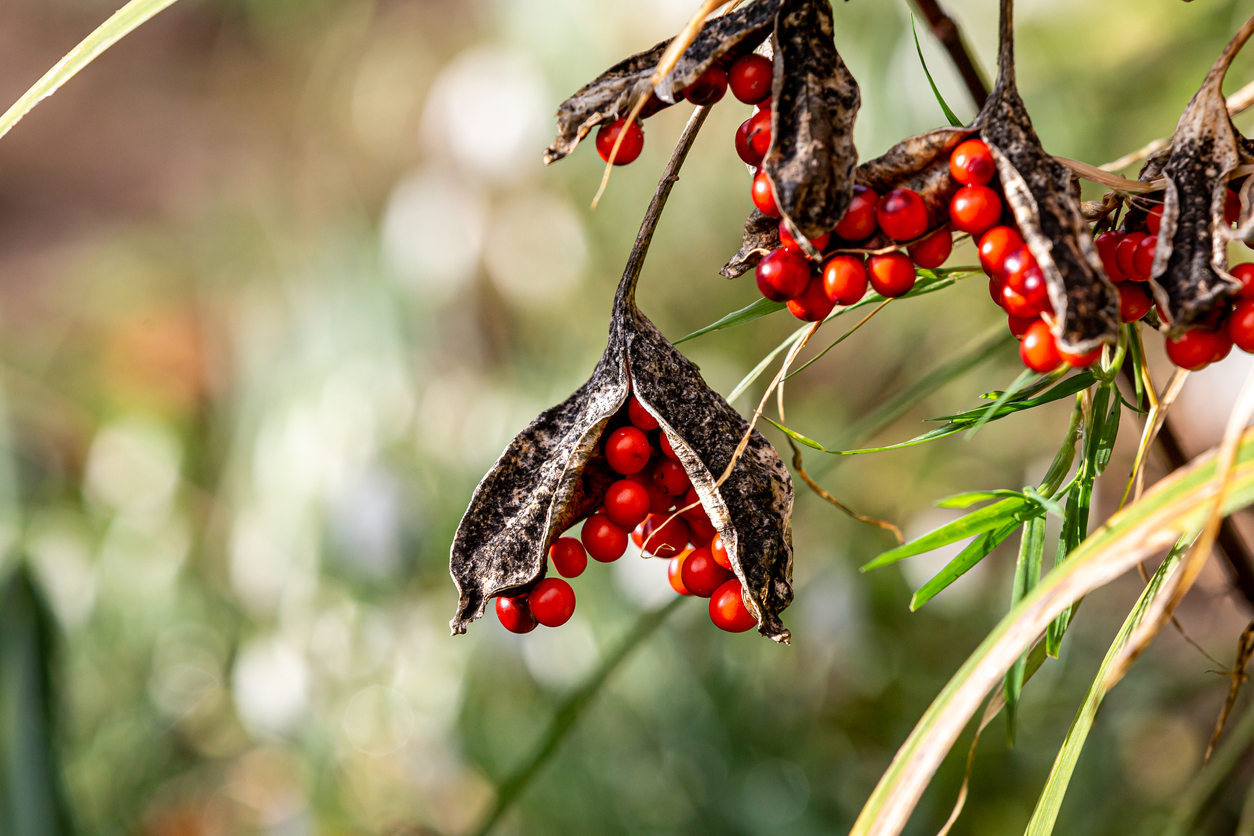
{"points": [[1050, 801], [966, 500], [977, 522], [1027, 576], [1048, 505], [954, 121], [1134, 357], [121, 24], [755, 310], [1029, 396], [757, 370], [1025, 377], [976, 550]]}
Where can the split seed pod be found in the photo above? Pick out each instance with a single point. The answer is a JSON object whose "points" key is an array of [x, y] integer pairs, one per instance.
{"points": [[1190, 274], [537, 488]]}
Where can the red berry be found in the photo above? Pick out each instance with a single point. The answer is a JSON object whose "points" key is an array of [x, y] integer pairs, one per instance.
{"points": [[902, 215], [728, 610], [1143, 258], [697, 512], [995, 289], [1232, 206], [1107, 244], [515, 614], [975, 209], [763, 195], [659, 500], [667, 449], [552, 602], [605, 541], [569, 557], [892, 274], [859, 221], [1029, 305], [1134, 302], [1019, 325], [670, 477], [709, 87], [674, 573], [626, 503], [702, 576], [665, 536], [633, 141], [1241, 325], [750, 78], [1244, 273], [995, 245], [1080, 361], [758, 133], [972, 163], [700, 533], [627, 450], [637, 536], [812, 305], [1154, 220], [744, 150], [933, 250], [1038, 350], [720, 552], [790, 243], [786, 272], [1223, 346], [1125, 254], [639, 416], [1197, 348], [844, 279]]}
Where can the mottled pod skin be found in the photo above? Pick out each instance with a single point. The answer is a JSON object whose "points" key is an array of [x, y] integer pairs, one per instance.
{"points": [[534, 491]]}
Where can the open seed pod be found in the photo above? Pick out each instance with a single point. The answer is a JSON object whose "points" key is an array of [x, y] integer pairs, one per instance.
{"points": [[1190, 273], [1045, 200], [538, 487], [612, 94], [760, 237]]}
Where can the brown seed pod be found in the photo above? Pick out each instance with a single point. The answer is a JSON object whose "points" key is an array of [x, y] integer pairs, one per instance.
{"points": [[1045, 200], [761, 236], [1190, 273], [537, 488], [919, 163], [611, 95]]}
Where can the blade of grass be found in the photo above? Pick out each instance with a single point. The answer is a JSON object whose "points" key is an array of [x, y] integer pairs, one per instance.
{"points": [[954, 121], [976, 550], [757, 370], [1027, 576], [977, 522], [121, 24], [1025, 378], [755, 310]]}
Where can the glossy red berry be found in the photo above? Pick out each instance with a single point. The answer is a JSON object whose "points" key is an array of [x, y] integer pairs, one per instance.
{"points": [[1154, 220], [934, 250], [1240, 325], [728, 610], [892, 274], [702, 575], [664, 535], [972, 163], [1019, 325], [1038, 350], [1197, 349], [812, 304], [1080, 361], [720, 552], [639, 416], [659, 500], [552, 602], [1143, 258], [859, 221], [1244, 273], [788, 242], [1107, 244], [995, 289], [844, 279], [670, 478], [515, 614], [674, 573], [764, 196], [975, 209], [744, 150], [750, 78], [632, 145], [995, 246], [664, 442], [1232, 206], [1125, 255], [1030, 302], [709, 87], [786, 272], [700, 533], [626, 503], [627, 450], [902, 215], [759, 133], [568, 557], [1134, 302], [604, 541]]}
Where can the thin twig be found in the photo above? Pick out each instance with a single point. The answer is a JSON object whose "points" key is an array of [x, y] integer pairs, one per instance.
{"points": [[1238, 676]]}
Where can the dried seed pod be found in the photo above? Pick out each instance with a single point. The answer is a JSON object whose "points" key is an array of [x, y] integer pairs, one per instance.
{"points": [[538, 487], [1190, 273], [1045, 200], [815, 101], [611, 95], [761, 236], [919, 163]]}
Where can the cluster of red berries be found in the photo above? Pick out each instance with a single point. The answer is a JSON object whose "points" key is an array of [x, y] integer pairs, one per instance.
{"points": [[635, 486]]}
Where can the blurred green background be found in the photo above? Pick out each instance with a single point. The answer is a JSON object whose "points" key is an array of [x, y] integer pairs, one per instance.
{"points": [[278, 281]]}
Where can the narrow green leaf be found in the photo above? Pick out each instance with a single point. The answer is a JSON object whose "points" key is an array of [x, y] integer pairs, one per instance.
{"points": [[1048, 505], [757, 370], [976, 550], [1027, 398], [966, 500], [1025, 377], [798, 437], [1027, 576], [1134, 357], [954, 121], [755, 310], [977, 522]]}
